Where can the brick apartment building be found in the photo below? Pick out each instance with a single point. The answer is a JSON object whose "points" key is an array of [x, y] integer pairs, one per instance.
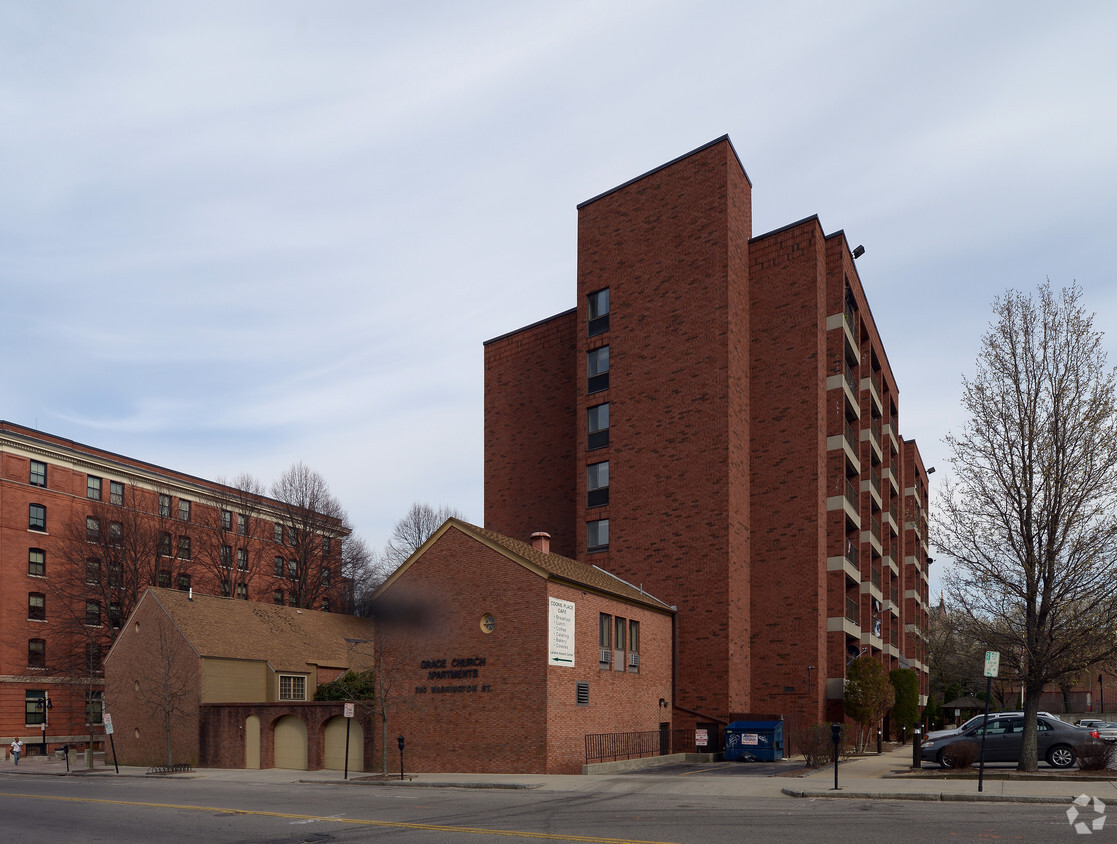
{"points": [[84, 531], [716, 421]]}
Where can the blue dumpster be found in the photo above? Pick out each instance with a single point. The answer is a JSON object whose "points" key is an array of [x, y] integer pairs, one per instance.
{"points": [[754, 741]]}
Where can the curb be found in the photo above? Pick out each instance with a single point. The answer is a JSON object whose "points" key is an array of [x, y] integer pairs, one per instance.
{"points": [[926, 796]]}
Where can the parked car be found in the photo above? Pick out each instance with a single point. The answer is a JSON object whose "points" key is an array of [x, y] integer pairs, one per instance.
{"points": [[973, 722], [1090, 722], [1055, 741], [1105, 729]]}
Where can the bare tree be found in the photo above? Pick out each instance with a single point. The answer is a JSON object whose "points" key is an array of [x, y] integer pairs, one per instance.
{"points": [[1029, 518], [315, 525], [411, 532], [231, 530], [168, 683]]}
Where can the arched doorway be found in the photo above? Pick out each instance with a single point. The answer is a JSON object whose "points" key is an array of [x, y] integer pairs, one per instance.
{"points": [[290, 743], [335, 744], [252, 742]]}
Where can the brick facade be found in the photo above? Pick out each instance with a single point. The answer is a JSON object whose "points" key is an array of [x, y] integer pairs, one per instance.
{"points": [[756, 474]]}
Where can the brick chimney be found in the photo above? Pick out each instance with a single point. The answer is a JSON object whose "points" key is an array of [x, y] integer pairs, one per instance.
{"points": [[541, 541]]}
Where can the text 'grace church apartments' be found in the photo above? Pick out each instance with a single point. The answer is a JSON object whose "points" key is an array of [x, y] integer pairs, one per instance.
{"points": [[716, 423]]}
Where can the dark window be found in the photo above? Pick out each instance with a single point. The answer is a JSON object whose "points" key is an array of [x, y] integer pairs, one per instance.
{"points": [[92, 528], [242, 525], [184, 583], [597, 425], [184, 547], [597, 370], [277, 597], [38, 473], [597, 484], [183, 510], [278, 563], [325, 577], [115, 614], [242, 591], [618, 633], [165, 544], [116, 493], [325, 546], [292, 536], [325, 605], [116, 533], [95, 707], [93, 654], [582, 696], [34, 707], [597, 535], [116, 574], [226, 556], [36, 653], [605, 638], [242, 559], [92, 612], [292, 569], [37, 517], [37, 562], [163, 578], [277, 533], [226, 520], [93, 488], [165, 506], [226, 589], [93, 571], [598, 312]]}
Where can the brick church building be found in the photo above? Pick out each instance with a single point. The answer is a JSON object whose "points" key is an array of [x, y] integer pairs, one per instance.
{"points": [[716, 422]]}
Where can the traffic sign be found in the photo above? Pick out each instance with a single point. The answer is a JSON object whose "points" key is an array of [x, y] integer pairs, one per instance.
{"points": [[108, 723], [992, 663], [349, 710]]}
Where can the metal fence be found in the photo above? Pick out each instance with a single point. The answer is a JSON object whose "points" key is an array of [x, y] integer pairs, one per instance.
{"points": [[609, 747]]}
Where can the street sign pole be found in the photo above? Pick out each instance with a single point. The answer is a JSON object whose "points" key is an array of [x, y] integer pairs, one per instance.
{"points": [[348, 710], [992, 668]]}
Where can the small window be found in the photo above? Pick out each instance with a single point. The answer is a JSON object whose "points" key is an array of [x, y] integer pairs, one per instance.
{"points": [[95, 707], [325, 546], [278, 563], [37, 562], [92, 528], [605, 638], [598, 312], [37, 517], [116, 533], [292, 570], [35, 707], [582, 695], [93, 488], [226, 589], [183, 510], [226, 556], [116, 574], [277, 597], [292, 536], [242, 524], [226, 520], [116, 615], [93, 654], [597, 370], [325, 605], [36, 653], [92, 613], [116, 493], [242, 591], [292, 687], [242, 559], [165, 544], [183, 582], [277, 533], [597, 426], [325, 577], [634, 636], [597, 484], [38, 473], [93, 571], [597, 535], [184, 547], [163, 578], [619, 631], [165, 506]]}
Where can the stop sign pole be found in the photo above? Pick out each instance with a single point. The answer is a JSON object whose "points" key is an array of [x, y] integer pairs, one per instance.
{"points": [[992, 669]]}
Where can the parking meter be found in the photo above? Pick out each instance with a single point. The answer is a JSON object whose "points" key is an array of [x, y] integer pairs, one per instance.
{"points": [[836, 734], [400, 740]]}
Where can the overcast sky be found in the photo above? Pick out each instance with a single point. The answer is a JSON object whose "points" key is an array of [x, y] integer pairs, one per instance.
{"points": [[238, 235]]}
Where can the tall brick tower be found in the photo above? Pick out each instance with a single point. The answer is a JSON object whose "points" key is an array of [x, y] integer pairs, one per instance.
{"points": [[709, 423]]}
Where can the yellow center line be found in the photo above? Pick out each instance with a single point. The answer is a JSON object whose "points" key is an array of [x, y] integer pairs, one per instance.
{"points": [[552, 836]]}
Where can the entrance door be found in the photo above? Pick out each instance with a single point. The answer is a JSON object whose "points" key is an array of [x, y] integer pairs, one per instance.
{"points": [[252, 742], [290, 743]]}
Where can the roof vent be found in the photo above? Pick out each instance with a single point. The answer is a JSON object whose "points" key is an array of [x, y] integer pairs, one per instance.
{"points": [[541, 541]]}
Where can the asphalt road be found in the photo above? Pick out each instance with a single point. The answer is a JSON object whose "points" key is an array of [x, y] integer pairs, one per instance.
{"points": [[126, 810]]}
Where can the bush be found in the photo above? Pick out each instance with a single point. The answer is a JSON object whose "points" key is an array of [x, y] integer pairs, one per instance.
{"points": [[817, 744], [961, 754], [1094, 755]]}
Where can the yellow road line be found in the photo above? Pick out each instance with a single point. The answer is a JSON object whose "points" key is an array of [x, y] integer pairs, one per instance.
{"points": [[552, 836]]}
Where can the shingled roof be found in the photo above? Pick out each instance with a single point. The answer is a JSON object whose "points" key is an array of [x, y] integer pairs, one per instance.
{"points": [[287, 638], [549, 566]]}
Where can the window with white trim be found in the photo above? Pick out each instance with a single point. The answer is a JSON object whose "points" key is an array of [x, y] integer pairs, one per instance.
{"points": [[292, 687]]}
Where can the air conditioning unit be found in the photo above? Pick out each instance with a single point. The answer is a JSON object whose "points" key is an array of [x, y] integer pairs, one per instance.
{"points": [[634, 660], [606, 655]]}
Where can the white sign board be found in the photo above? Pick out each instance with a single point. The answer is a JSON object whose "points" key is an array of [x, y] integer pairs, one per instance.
{"points": [[349, 707], [750, 739], [108, 723], [700, 738], [561, 633], [992, 663]]}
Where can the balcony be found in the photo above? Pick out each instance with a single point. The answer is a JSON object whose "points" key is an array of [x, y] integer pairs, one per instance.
{"points": [[874, 576], [852, 609]]}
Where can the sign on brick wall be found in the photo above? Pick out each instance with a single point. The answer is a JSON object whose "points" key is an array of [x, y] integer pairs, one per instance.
{"points": [[561, 633]]}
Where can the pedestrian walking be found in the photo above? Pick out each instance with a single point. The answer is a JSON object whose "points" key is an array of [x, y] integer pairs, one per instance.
{"points": [[17, 749]]}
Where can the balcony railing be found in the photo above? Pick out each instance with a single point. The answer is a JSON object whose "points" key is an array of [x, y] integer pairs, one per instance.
{"points": [[874, 480], [875, 380], [851, 552], [851, 381], [851, 437], [875, 527], [874, 429], [852, 609], [874, 576], [851, 493]]}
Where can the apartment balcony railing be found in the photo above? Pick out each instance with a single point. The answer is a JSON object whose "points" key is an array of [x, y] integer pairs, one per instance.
{"points": [[894, 594], [851, 319], [894, 636], [874, 429], [874, 480], [851, 437], [851, 493], [852, 553], [875, 379], [874, 576], [852, 609], [875, 528]]}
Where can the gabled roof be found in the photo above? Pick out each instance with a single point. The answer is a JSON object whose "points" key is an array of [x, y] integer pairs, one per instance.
{"points": [[548, 566], [287, 638]]}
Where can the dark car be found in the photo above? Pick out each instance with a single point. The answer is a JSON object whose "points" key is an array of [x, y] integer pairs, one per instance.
{"points": [[1055, 741]]}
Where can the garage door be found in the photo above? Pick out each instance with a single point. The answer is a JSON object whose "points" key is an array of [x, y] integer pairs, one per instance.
{"points": [[335, 744], [290, 743]]}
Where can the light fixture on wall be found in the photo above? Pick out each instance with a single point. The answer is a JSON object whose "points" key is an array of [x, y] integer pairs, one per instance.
{"points": [[858, 251]]}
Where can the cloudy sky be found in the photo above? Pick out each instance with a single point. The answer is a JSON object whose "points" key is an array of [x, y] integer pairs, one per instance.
{"points": [[238, 235]]}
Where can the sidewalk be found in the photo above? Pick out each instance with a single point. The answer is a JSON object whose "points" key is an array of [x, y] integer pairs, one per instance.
{"points": [[884, 777]]}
